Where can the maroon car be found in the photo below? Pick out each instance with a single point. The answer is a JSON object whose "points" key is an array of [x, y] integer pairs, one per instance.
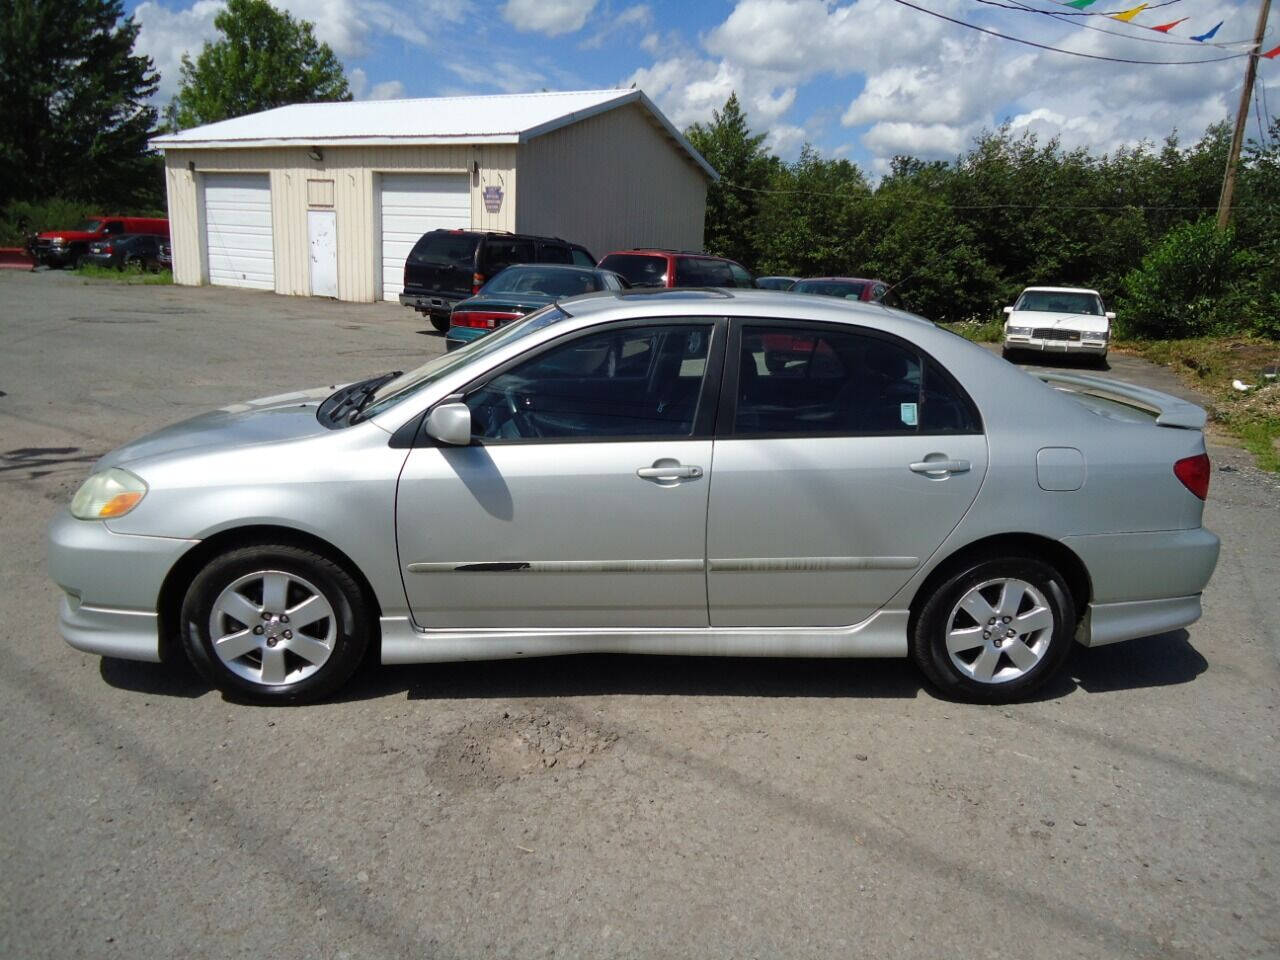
{"points": [[675, 268], [781, 349]]}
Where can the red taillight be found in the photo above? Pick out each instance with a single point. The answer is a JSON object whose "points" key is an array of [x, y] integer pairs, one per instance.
{"points": [[1194, 474], [477, 281], [484, 319]]}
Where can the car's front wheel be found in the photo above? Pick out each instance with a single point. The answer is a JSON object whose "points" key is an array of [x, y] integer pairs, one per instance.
{"points": [[995, 630], [275, 624]]}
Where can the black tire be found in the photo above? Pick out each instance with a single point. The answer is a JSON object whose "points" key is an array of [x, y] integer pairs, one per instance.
{"points": [[352, 625], [1009, 354], [441, 324], [928, 640]]}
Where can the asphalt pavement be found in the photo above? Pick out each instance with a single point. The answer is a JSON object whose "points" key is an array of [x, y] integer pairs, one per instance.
{"points": [[593, 806]]}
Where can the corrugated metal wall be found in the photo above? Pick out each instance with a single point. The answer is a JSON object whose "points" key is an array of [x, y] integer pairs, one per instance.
{"points": [[354, 172], [610, 182]]}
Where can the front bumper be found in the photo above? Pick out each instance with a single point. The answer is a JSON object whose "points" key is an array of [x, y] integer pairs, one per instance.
{"points": [[51, 256], [111, 585], [1056, 346]]}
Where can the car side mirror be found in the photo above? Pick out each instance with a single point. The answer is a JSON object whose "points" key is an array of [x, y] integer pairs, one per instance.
{"points": [[450, 423], [1008, 309], [1110, 315]]}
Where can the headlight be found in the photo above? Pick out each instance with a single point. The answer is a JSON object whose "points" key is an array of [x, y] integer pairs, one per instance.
{"points": [[1018, 331], [1102, 335], [58, 241], [112, 493]]}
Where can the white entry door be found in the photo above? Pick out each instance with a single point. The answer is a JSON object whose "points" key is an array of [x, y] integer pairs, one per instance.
{"points": [[322, 230], [237, 214], [412, 204]]}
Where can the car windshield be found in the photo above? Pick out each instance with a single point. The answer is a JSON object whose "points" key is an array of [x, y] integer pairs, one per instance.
{"points": [[639, 269], [552, 282], [407, 384], [830, 288], [1064, 301], [89, 226]]}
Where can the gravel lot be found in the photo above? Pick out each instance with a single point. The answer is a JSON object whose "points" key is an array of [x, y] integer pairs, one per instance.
{"points": [[592, 806]]}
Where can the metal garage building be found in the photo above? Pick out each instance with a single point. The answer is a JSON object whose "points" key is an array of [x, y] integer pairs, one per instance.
{"points": [[327, 199]]}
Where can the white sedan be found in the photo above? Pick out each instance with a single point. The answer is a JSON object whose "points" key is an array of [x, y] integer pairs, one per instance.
{"points": [[1058, 320]]}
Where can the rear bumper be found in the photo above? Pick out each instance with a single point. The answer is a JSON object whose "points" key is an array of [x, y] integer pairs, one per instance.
{"points": [[100, 259], [1112, 622], [434, 304], [1144, 583]]}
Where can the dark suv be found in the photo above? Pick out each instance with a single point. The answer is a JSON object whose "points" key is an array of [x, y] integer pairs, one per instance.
{"points": [[446, 266], [676, 268]]}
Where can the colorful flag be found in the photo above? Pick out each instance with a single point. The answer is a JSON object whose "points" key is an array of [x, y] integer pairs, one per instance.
{"points": [[1205, 36], [1166, 27], [1129, 14], [1081, 4], [1272, 54]]}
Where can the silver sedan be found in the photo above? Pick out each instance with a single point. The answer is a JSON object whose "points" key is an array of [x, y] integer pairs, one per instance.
{"points": [[679, 472]]}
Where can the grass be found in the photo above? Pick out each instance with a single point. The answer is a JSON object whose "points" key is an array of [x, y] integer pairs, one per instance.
{"points": [[1210, 365], [990, 332], [134, 275]]}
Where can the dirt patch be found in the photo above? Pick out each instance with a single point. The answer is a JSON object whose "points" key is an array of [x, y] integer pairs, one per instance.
{"points": [[517, 744]]}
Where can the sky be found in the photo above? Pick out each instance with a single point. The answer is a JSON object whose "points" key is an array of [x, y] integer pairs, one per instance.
{"points": [[867, 80]]}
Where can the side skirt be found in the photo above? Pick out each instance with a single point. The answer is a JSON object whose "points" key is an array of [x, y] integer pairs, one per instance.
{"points": [[883, 634]]}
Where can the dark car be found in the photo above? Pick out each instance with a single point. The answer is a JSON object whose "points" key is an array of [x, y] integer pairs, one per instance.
{"points": [[775, 283], [129, 250], [676, 268], [849, 288], [446, 266], [522, 289], [60, 248]]}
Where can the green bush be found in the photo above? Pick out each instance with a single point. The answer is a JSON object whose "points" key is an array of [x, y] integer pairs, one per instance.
{"points": [[22, 217], [1193, 283]]}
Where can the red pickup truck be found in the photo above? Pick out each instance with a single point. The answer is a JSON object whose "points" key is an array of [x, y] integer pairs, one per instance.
{"points": [[60, 248]]}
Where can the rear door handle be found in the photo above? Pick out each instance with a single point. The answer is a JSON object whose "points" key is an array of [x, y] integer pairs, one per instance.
{"points": [[673, 472], [938, 467]]}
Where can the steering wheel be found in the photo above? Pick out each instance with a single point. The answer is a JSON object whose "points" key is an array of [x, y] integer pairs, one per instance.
{"points": [[519, 414]]}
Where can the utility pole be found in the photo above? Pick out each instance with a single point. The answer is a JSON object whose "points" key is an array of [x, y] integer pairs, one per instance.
{"points": [[1242, 119]]}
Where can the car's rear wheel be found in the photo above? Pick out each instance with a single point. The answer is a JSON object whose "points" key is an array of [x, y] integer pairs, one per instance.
{"points": [[275, 624], [441, 324], [994, 630]]}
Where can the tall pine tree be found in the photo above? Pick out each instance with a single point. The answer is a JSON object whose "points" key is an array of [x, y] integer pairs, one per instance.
{"points": [[74, 116]]}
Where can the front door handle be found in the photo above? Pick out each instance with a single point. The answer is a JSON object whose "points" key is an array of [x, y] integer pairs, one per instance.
{"points": [[940, 467], [674, 471]]}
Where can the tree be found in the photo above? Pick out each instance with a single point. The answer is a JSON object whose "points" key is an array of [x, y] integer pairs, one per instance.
{"points": [[732, 203], [264, 59], [74, 117]]}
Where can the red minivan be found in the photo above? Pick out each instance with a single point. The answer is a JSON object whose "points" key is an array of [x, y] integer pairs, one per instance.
{"points": [[59, 248], [675, 268]]}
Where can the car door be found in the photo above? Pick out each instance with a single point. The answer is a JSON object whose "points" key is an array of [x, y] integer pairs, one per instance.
{"points": [[843, 458], [582, 499]]}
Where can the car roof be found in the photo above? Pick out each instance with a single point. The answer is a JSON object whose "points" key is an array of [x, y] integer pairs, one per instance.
{"points": [[844, 279], [660, 252], [1059, 290], [740, 301], [555, 266]]}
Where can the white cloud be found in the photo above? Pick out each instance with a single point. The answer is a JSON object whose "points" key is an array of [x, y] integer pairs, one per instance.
{"points": [[358, 80], [505, 76], [552, 17], [165, 35], [923, 86], [628, 20]]}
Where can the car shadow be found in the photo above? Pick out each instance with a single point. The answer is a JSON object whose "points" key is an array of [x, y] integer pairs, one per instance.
{"points": [[1157, 661], [1059, 361]]}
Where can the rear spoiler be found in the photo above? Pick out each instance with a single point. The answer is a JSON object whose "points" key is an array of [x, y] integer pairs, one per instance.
{"points": [[1169, 411]]}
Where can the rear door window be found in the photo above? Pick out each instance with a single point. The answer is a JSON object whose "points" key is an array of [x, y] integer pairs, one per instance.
{"points": [[442, 249], [583, 258], [740, 275], [499, 252], [640, 269], [807, 381], [113, 227], [554, 253], [702, 272]]}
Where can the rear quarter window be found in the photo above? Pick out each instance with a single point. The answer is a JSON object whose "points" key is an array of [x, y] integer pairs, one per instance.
{"points": [[452, 249], [699, 272]]}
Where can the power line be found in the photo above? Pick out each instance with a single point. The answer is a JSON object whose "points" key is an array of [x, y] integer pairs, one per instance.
{"points": [[1053, 14], [1072, 53], [873, 197], [1110, 13]]}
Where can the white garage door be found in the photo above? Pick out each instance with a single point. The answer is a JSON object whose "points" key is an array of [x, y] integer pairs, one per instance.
{"points": [[412, 204], [237, 213]]}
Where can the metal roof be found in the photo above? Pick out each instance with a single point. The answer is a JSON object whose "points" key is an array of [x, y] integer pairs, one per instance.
{"points": [[511, 118]]}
